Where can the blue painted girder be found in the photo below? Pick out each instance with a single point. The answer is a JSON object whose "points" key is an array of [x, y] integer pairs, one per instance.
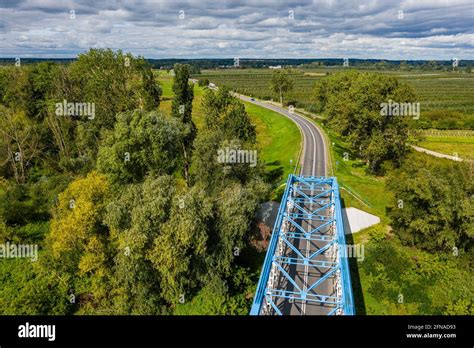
{"points": [[287, 228]]}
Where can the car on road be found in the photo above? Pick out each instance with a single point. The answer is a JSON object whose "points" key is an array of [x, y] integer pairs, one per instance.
{"points": [[252, 99]]}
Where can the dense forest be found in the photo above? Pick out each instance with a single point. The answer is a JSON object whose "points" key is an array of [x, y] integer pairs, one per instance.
{"points": [[131, 211]]}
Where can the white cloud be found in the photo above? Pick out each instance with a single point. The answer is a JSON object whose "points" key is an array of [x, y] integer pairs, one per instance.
{"points": [[248, 28]]}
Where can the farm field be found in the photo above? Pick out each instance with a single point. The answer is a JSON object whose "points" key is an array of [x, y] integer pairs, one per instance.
{"points": [[446, 98]]}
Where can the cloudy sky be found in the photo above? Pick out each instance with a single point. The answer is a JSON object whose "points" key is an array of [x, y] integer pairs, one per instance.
{"points": [[386, 29]]}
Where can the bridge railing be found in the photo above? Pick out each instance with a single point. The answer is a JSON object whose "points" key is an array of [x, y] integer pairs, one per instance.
{"points": [[347, 295], [267, 264]]}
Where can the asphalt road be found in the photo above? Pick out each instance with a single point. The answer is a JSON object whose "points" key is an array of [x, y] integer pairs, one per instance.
{"points": [[313, 162]]}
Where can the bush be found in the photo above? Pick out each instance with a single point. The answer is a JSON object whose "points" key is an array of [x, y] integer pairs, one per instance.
{"points": [[203, 82]]}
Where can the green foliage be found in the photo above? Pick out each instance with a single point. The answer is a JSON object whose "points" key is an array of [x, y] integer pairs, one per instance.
{"points": [[179, 250], [29, 288], [446, 119], [40, 89], [182, 106], [140, 144], [352, 102], [77, 219], [135, 219], [433, 205], [401, 280], [181, 109], [114, 82], [13, 85], [281, 83], [236, 123], [221, 297], [19, 143], [225, 113], [25, 209], [235, 212], [203, 82], [205, 168]]}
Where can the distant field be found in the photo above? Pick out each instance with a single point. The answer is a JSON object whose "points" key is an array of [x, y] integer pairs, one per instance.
{"points": [[441, 94], [256, 83]]}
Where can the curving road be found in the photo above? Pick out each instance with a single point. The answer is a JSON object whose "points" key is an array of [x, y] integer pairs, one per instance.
{"points": [[313, 162], [314, 155]]}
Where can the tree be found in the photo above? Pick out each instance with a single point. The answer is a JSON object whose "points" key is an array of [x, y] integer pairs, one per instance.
{"points": [[205, 168], [141, 144], [203, 82], [13, 87], [19, 142], [353, 104], [135, 219], [281, 83], [179, 251], [182, 108], [41, 88], [433, 204], [236, 124], [226, 126], [109, 81], [31, 288], [79, 240], [236, 207], [225, 113], [215, 105]]}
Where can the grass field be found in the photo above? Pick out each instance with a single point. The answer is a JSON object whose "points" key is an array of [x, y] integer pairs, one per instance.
{"points": [[278, 140], [450, 143], [436, 91]]}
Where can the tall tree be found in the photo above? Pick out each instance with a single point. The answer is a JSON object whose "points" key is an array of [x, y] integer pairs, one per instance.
{"points": [[182, 108], [179, 251], [135, 219], [281, 83], [79, 240], [227, 114], [19, 142], [112, 82]]}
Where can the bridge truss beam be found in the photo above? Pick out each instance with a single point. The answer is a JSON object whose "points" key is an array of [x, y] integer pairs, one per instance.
{"points": [[310, 212]]}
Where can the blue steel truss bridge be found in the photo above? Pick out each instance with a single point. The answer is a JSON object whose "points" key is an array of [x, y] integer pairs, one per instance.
{"points": [[306, 269]]}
